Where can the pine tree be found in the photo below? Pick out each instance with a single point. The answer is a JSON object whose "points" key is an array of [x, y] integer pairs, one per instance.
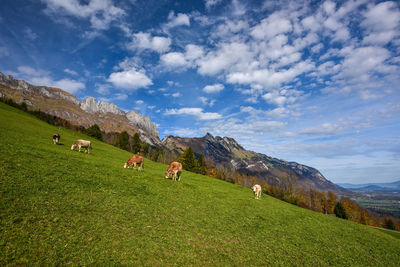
{"points": [[340, 211], [188, 160], [94, 131], [201, 162], [123, 140], [136, 143]]}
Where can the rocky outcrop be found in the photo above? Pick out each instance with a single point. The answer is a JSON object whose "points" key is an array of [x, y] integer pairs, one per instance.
{"points": [[90, 105], [143, 123], [225, 151]]}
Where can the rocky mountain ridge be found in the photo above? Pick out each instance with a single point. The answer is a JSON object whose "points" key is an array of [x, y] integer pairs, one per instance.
{"points": [[227, 152], [86, 113]]}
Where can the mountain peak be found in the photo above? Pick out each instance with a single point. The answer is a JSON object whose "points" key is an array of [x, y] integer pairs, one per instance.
{"points": [[90, 105]]}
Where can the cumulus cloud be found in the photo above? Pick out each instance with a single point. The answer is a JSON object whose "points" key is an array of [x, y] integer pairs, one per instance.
{"points": [[273, 25], [100, 12], [131, 79], [196, 112], [174, 60], [141, 41], [215, 88], [179, 19]]}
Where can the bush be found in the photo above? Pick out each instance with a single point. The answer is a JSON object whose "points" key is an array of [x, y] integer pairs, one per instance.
{"points": [[339, 211], [94, 131]]}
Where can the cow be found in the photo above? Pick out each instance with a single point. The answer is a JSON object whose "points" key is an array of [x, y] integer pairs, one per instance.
{"points": [[257, 191], [135, 160], [56, 138], [175, 169], [82, 143]]}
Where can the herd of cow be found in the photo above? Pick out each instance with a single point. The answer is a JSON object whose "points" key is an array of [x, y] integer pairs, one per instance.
{"points": [[137, 163]]}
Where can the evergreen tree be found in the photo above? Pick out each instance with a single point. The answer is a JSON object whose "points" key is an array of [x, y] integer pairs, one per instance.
{"points": [[123, 140], [201, 162], [188, 160], [340, 211], [94, 131], [136, 143]]}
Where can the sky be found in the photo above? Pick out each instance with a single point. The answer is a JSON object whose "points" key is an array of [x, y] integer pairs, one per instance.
{"points": [[316, 82]]}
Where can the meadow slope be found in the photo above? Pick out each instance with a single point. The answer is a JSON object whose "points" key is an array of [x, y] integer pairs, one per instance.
{"points": [[60, 207]]}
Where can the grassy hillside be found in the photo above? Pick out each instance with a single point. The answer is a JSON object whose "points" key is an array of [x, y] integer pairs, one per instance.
{"points": [[59, 206]]}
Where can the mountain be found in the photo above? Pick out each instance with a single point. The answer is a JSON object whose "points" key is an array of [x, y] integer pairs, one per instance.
{"points": [[227, 152], [57, 102], [373, 187]]}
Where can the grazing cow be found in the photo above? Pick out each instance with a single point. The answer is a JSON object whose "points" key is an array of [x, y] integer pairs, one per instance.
{"points": [[175, 169], [135, 160], [82, 143], [56, 138], [257, 191]]}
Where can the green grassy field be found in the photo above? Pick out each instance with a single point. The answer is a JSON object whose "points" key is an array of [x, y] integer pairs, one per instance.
{"points": [[61, 207]]}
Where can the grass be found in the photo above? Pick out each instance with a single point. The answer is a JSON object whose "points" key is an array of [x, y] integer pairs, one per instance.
{"points": [[61, 207]]}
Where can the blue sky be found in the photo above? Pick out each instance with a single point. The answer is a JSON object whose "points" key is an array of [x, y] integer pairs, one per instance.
{"points": [[306, 81]]}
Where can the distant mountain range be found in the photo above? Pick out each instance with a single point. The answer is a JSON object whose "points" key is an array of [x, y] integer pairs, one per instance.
{"points": [[223, 151], [373, 187]]}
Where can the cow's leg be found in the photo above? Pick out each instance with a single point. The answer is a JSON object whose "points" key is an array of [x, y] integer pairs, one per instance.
{"points": [[79, 146]]}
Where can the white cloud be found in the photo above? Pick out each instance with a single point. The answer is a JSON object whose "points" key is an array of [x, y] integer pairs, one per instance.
{"points": [[177, 94], [100, 12], [179, 19], [273, 25], [174, 60], [139, 102], [211, 3], [207, 102], [215, 88], [130, 79], [381, 23], [68, 85], [72, 72], [143, 41], [43, 78], [196, 112]]}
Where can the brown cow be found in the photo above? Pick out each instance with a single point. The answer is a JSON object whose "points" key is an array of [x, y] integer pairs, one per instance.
{"points": [[135, 160], [56, 138], [175, 169]]}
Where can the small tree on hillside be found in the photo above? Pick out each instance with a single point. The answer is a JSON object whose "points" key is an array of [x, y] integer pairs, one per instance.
{"points": [[201, 162], [123, 140], [94, 131], [188, 160], [340, 211], [136, 143]]}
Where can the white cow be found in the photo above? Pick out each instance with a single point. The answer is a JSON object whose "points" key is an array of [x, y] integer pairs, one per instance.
{"points": [[82, 143], [257, 191]]}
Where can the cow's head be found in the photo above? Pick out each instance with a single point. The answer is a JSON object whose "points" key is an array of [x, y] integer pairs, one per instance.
{"points": [[167, 174], [73, 146], [125, 165]]}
